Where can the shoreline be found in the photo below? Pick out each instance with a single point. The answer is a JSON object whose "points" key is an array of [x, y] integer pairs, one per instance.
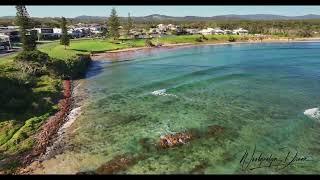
{"points": [[112, 55], [57, 142], [54, 145], [49, 131]]}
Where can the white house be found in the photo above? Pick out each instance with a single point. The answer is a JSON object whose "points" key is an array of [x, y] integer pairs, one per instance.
{"points": [[49, 33], [240, 31], [96, 29], [207, 31], [227, 31], [5, 42], [162, 27], [192, 31], [172, 27], [57, 31], [218, 31], [152, 30], [75, 32]]}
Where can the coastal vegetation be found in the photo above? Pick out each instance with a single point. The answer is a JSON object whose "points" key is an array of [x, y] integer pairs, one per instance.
{"points": [[30, 86], [113, 24], [65, 40]]}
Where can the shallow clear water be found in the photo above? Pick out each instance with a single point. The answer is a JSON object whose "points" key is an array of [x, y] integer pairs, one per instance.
{"points": [[257, 92]]}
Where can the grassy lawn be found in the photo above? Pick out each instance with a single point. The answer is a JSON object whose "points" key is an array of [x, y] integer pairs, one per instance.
{"points": [[86, 46], [192, 38], [6, 59]]}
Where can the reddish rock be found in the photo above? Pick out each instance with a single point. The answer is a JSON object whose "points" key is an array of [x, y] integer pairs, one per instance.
{"points": [[119, 163], [172, 140], [52, 125]]}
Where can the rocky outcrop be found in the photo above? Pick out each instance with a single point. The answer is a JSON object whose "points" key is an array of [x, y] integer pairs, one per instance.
{"points": [[117, 164], [51, 127], [172, 140]]}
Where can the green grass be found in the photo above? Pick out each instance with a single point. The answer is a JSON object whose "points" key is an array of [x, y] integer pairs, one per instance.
{"points": [[6, 59], [86, 46], [7, 130], [192, 38], [23, 136], [33, 105]]}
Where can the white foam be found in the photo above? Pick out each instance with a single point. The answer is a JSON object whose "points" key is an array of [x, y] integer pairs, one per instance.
{"points": [[162, 92], [72, 116], [313, 113]]}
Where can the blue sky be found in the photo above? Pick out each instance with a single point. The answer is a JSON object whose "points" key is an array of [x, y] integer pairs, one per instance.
{"points": [[72, 11]]}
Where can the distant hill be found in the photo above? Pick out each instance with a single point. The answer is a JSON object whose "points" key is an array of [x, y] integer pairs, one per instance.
{"points": [[159, 17], [155, 17], [7, 17]]}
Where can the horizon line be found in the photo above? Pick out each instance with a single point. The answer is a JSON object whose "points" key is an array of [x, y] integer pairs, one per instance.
{"points": [[165, 15]]}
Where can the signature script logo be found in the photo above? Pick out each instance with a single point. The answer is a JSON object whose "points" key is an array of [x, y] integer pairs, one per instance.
{"points": [[258, 159]]}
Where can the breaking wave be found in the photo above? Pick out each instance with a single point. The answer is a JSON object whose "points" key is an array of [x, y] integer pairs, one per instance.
{"points": [[313, 113], [73, 115], [162, 92]]}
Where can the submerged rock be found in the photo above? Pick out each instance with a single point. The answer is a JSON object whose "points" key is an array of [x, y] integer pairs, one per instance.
{"points": [[215, 130], [119, 163], [172, 140], [200, 168]]}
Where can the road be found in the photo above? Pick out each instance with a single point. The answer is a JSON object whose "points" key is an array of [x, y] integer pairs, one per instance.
{"points": [[7, 53]]}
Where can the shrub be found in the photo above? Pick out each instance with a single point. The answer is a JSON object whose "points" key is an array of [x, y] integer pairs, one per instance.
{"points": [[231, 39], [304, 33], [35, 56], [32, 62], [71, 68], [148, 43], [199, 39], [203, 37]]}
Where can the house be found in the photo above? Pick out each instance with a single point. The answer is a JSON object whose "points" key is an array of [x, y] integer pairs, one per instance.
{"points": [[156, 31], [48, 33], [240, 31], [155, 35], [140, 35], [192, 31], [76, 33], [12, 33], [9, 28], [172, 27], [5, 42], [162, 27], [207, 31], [97, 28], [218, 31], [227, 31]]}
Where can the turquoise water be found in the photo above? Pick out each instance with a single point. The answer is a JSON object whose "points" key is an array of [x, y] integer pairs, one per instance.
{"points": [[257, 92]]}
